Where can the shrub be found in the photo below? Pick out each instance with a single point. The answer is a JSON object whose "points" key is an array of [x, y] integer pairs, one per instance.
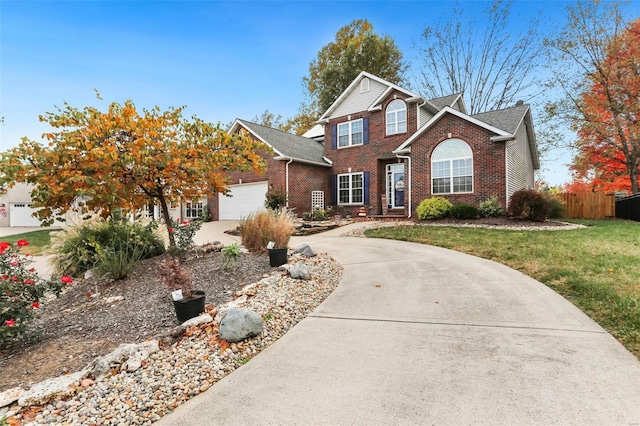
{"points": [[20, 291], [433, 208], [263, 226], [530, 205], [491, 207], [79, 247], [230, 255], [183, 234], [175, 277], [556, 207], [276, 199], [316, 215], [463, 211]]}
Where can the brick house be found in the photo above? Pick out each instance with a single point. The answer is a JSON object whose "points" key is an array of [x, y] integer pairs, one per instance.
{"points": [[390, 148], [385, 149]]}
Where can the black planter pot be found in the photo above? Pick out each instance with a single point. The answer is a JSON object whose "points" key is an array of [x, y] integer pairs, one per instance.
{"points": [[277, 256], [189, 307]]}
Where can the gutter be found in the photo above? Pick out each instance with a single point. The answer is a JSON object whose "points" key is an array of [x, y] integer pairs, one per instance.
{"points": [[300, 160], [409, 186], [502, 138], [286, 179]]}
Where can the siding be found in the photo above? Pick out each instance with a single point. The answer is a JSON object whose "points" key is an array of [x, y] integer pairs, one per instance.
{"points": [[520, 174], [424, 117], [357, 102]]}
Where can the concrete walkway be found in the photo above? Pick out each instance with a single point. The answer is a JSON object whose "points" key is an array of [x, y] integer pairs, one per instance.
{"points": [[422, 335]]}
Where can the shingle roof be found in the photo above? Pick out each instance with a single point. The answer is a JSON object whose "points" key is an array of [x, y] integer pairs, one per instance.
{"points": [[444, 101], [506, 119], [287, 144]]}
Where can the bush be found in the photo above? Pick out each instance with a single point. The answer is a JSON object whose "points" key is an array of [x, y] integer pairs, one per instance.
{"points": [[230, 255], [433, 208], [263, 226], [81, 246], [491, 207], [557, 209], [316, 215], [276, 199], [530, 205], [183, 234], [20, 292], [463, 211]]}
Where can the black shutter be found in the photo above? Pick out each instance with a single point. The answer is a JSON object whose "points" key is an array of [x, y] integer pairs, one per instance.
{"points": [[334, 190], [366, 188], [365, 130], [334, 136]]}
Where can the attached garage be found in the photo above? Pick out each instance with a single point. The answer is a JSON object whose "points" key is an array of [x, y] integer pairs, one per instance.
{"points": [[20, 215], [246, 198]]}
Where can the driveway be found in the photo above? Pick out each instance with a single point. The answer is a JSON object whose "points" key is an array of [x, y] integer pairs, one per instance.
{"points": [[422, 335]]}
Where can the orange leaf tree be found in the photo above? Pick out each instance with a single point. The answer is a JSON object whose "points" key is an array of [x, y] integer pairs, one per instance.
{"points": [[123, 158]]}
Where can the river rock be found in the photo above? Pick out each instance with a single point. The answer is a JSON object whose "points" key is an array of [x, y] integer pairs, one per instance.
{"points": [[238, 324], [300, 271]]}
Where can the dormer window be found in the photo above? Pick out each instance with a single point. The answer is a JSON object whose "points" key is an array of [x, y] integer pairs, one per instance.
{"points": [[396, 117], [365, 85]]}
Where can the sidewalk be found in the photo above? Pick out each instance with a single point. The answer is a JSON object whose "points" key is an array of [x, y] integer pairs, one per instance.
{"points": [[422, 335]]}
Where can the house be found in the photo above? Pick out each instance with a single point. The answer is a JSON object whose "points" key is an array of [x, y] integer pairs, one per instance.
{"points": [[385, 149]]}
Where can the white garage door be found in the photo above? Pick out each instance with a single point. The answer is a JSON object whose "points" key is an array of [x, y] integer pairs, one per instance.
{"points": [[247, 198], [20, 215]]}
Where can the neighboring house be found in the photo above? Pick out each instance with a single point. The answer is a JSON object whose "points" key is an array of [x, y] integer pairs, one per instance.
{"points": [[296, 167], [391, 148]]}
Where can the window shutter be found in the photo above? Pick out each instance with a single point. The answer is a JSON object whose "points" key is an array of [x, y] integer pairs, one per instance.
{"points": [[365, 130], [334, 190], [334, 136], [366, 188]]}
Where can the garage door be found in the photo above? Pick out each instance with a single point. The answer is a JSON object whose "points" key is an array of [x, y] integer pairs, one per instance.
{"points": [[20, 215], [247, 198]]}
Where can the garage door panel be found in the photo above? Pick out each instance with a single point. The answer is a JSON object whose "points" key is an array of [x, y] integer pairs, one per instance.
{"points": [[246, 199], [20, 215]]}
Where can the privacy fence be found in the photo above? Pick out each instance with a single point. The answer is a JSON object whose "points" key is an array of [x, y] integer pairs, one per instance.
{"points": [[628, 207], [589, 205]]}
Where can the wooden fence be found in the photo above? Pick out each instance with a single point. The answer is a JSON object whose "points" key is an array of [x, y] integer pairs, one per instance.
{"points": [[589, 205]]}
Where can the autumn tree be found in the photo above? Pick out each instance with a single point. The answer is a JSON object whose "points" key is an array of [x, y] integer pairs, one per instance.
{"points": [[356, 48], [122, 158], [597, 68], [476, 56]]}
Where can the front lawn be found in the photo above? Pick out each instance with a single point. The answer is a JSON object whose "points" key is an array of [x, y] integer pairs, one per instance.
{"points": [[597, 268], [38, 240]]}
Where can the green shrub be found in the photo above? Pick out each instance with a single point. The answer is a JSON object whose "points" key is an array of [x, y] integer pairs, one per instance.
{"points": [[530, 205], [316, 215], [276, 199], [230, 255], [433, 208], [266, 225], [80, 247], [557, 209], [491, 207], [183, 235], [463, 211]]}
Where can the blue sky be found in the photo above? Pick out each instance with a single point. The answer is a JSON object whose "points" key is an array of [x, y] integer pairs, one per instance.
{"points": [[222, 60]]}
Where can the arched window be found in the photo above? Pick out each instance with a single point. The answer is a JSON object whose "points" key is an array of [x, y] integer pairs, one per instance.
{"points": [[396, 117], [452, 168]]}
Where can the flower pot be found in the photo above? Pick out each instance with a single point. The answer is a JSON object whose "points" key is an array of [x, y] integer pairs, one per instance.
{"points": [[277, 256], [190, 307]]}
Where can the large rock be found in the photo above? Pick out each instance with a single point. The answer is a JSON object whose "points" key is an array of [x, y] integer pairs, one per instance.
{"points": [[305, 250], [129, 356], [300, 271], [43, 392], [238, 324]]}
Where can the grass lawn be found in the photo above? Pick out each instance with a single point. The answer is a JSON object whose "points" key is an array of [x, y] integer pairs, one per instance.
{"points": [[597, 268], [38, 240]]}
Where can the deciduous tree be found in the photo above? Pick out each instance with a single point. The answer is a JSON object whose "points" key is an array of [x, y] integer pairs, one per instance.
{"points": [[123, 158]]}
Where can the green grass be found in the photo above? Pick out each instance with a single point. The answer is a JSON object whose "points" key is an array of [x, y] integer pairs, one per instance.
{"points": [[38, 240], [597, 268]]}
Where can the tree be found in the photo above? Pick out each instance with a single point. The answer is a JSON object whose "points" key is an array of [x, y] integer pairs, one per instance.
{"points": [[598, 72], [123, 159], [356, 48], [492, 67], [269, 119]]}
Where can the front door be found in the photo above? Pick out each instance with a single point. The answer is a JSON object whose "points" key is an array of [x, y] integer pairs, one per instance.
{"points": [[395, 186]]}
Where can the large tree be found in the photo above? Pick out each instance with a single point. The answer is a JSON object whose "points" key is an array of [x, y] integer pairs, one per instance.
{"points": [[481, 57], [356, 48], [122, 158], [597, 68]]}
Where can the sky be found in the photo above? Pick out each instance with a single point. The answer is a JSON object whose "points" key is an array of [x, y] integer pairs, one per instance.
{"points": [[222, 60]]}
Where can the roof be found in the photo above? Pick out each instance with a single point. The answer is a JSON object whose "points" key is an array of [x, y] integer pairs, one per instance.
{"points": [[287, 145], [314, 132], [445, 101], [507, 119]]}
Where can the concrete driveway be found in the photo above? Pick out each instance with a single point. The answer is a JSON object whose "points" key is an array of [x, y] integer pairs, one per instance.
{"points": [[422, 335]]}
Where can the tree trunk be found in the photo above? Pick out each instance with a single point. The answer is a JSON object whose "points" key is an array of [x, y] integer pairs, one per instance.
{"points": [[633, 174], [167, 220]]}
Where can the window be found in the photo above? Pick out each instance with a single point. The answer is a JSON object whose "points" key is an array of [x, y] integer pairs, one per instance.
{"points": [[365, 85], [452, 168], [396, 117], [350, 133], [351, 188], [195, 210]]}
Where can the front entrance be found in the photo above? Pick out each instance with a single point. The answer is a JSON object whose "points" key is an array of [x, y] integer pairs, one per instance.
{"points": [[395, 186]]}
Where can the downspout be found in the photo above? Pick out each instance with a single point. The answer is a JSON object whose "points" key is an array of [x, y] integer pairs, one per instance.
{"points": [[286, 177], [409, 186]]}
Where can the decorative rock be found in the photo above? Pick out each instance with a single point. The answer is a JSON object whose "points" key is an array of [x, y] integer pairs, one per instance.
{"points": [[123, 353], [200, 319], [10, 396], [44, 391], [238, 324], [300, 271], [305, 250]]}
